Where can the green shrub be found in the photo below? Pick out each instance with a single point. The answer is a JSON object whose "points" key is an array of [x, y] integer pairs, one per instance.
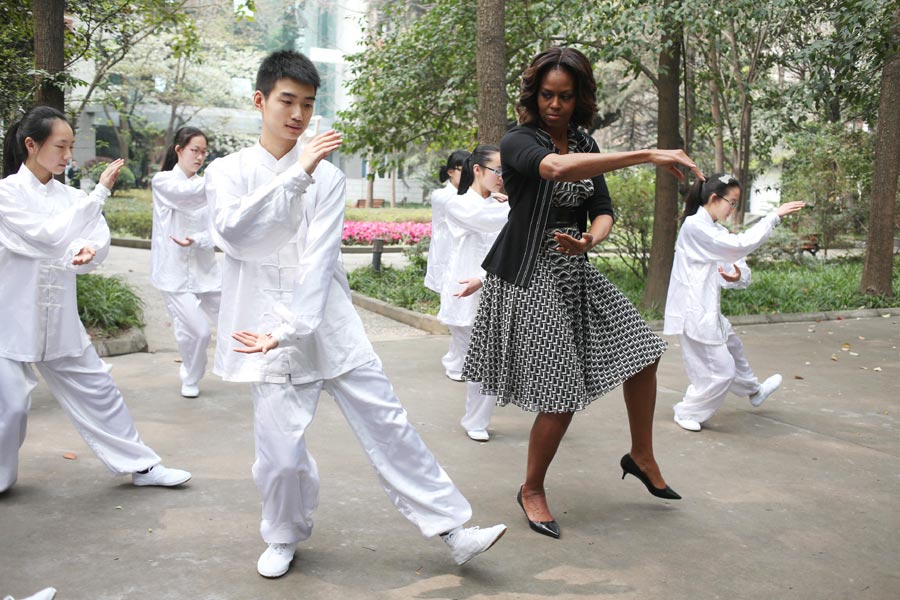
{"points": [[108, 303], [129, 216]]}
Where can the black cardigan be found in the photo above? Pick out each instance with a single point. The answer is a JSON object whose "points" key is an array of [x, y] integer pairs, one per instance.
{"points": [[514, 254]]}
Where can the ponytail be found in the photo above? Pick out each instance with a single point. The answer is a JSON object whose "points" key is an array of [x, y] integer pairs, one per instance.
{"points": [[480, 155], [181, 139], [703, 190], [36, 124]]}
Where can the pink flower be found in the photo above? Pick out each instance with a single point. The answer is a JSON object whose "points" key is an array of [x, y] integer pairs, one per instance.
{"points": [[361, 233]]}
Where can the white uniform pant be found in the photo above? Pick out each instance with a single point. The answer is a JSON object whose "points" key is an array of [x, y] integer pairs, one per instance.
{"points": [[713, 370], [186, 309], [455, 358], [479, 407], [84, 389], [288, 479]]}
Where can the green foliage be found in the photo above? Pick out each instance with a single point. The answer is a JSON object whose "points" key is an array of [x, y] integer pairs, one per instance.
{"points": [[414, 214], [633, 197], [830, 167], [130, 216], [401, 287], [125, 180], [16, 59], [108, 303]]}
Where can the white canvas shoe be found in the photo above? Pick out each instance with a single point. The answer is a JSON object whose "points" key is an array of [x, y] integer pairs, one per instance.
{"points": [[468, 542], [455, 376], [479, 435], [688, 424], [276, 560], [190, 391], [765, 390], [160, 475]]}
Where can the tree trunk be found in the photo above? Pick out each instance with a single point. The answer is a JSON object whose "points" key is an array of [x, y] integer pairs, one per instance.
{"points": [[743, 162], [715, 94], [49, 50], [665, 214], [877, 277], [490, 65]]}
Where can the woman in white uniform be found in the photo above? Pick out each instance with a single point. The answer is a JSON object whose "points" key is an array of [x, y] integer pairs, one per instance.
{"points": [[705, 254], [49, 232], [182, 255], [439, 249], [474, 219]]}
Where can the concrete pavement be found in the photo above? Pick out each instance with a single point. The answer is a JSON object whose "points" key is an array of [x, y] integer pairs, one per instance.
{"points": [[796, 499]]}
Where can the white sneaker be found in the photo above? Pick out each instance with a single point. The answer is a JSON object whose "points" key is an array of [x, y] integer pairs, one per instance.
{"points": [[160, 475], [454, 376], [276, 560], [479, 435], [190, 391], [765, 390], [467, 543], [688, 424]]}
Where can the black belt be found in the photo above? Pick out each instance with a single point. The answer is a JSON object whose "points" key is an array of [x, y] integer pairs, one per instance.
{"points": [[563, 216]]}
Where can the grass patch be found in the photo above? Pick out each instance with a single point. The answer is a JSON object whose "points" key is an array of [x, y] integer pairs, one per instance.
{"points": [[108, 305], [417, 213], [782, 287], [130, 214]]}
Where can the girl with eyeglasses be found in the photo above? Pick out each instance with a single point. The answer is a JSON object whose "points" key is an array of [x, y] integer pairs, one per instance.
{"points": [[705, 254], [475, 217], [182, 255]]}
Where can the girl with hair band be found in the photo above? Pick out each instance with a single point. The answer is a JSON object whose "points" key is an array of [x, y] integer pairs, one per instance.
{"points": [[439, 248], [704, 256], [49, 232], [474, 219], [183, 263], [552, 334]]}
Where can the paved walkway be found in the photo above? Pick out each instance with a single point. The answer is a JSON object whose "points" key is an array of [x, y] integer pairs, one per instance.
{"points": [[797, 499]]}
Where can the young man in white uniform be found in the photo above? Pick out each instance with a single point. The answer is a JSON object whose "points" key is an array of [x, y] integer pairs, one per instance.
{"points": [[285, 296], [49, 232]]}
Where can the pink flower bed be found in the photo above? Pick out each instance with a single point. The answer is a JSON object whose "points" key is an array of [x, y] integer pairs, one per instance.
{"points": [[361, 233]]}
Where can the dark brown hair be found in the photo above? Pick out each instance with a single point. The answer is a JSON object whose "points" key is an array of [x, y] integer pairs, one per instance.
{"points": [[573, 62]]}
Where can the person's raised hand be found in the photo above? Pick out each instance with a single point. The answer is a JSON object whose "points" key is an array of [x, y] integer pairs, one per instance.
{"points": [[111, 173], [730, 277], [572, 246], [500, 197], [84, 256], [318, 148], [254, 342], [670, 159], [789, 208]]}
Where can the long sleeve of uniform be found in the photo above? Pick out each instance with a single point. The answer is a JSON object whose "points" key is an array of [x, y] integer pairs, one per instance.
{"points": [[29, 232], [185, 194], [472, 216], [705, 240], [99, 240], [250, 224], [741, 283], [320, 256]]}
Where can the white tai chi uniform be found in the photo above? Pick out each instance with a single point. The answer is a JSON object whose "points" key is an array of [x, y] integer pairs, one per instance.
{"points": [[281, 233], [713, 354], [42, 227], [438, 257], [188, 277], [473, 224]]}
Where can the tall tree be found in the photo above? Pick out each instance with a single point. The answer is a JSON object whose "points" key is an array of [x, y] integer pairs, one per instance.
{"points": [[490, 61], [665, 213], [49, 51], [877, 274]]}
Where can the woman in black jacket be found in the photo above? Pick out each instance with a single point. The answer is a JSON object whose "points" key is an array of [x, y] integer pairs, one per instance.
{"points": [[552, 333]]}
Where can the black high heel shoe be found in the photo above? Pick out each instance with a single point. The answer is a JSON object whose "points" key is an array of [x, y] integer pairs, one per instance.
{"points": [[629, 466], [548, 528]]}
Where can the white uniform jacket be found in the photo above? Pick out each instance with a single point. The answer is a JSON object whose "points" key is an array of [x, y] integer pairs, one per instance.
{"points": [[439, 246], [473, 224], [180, 210], [42, 227], [693, 302], [281, 233]]}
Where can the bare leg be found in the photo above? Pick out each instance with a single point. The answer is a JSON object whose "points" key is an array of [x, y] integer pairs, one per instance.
{"points": [[546, 433], [640, 400]]}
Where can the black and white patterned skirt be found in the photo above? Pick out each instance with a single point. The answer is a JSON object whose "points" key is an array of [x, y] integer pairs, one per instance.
{"points": [[556, 346]]}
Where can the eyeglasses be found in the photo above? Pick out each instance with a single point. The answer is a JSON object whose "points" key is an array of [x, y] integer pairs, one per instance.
{"points": [[496, 172], [732, 203]]}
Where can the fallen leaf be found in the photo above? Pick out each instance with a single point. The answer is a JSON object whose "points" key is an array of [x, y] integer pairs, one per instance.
{"points": [[118, 508], [861, 337], [877, 369], [839, 318], [854, 354], [807, 363], [797, 377], [70, 455], [885, 316], [845, 347], [149, 531], [834, 357]]}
